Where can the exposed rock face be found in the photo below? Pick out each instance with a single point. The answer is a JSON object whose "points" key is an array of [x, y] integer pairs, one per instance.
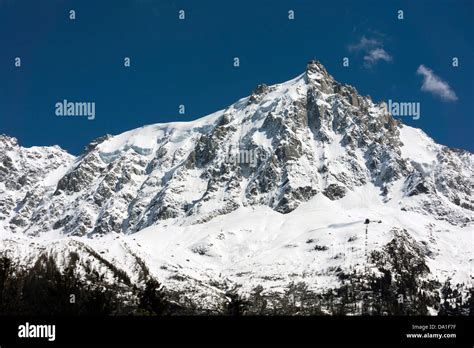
{"points": [[28, 177], [309, 135]]}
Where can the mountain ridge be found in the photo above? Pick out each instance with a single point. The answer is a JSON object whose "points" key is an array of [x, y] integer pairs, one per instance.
{"points": [[334, 175]]}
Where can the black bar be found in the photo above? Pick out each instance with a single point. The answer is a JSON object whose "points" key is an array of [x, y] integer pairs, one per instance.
{"points": [[242, 330]]}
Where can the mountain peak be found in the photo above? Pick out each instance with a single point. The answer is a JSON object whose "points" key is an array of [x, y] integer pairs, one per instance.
{"points": [[304, 180], [219, 189], [5, 139], [314, 67], [279, 148], [317, 76], [315, 64]]}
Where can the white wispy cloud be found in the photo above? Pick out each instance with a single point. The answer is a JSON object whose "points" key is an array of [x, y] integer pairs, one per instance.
{"points": [[373, 51], [364, 44], [376, 54], [435, 85]]}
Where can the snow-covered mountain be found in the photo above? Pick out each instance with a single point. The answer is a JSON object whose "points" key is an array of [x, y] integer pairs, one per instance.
{"points": [[299, 182]]}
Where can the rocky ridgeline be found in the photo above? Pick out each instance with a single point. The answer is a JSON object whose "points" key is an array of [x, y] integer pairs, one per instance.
{"points": [[27, 180]]}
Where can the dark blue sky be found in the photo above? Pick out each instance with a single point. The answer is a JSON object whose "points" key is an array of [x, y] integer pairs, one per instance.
{"points": [[190, 62]]}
